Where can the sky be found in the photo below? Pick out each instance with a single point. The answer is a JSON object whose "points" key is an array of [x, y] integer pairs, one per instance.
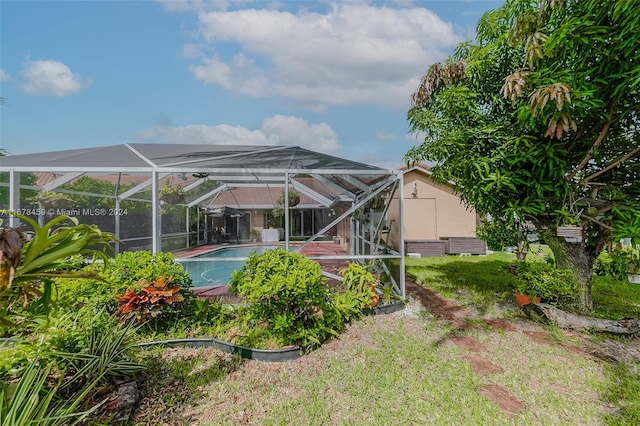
{"points": [[331, 76]]}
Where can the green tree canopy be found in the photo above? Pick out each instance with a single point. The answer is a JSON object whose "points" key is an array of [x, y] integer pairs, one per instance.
{"points": [[539, 117]]}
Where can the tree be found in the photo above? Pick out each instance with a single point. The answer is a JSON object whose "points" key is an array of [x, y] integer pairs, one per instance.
{"points": [[539, 118], [25, 179]]}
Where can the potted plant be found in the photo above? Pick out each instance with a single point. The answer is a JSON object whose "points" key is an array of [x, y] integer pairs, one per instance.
{"points": [[278, 208], [538, 281], [255, 234], [376, 203], [633, 265], [570, 233], [172, 194], [294, 199]]}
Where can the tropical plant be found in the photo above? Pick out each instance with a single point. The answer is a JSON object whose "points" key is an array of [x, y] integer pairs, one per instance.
{"points": [[31, 401], [205, 311], [125, 271], [361, 285], [106, 355], [376, 202], [388, 293], [148, 300], [28, 265], [538, 118], [66, 375], [128, 268]]}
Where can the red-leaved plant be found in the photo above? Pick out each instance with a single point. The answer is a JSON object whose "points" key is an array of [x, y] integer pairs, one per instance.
{"points": [[148, 302]]}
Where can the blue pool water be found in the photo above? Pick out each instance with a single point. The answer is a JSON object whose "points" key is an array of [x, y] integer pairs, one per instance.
{"points": [[214, 269]]}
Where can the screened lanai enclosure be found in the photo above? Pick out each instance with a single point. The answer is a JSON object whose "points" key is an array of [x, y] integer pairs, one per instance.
{"points": [[172, 197]]}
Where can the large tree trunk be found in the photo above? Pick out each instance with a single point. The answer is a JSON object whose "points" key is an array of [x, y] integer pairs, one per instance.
{"points": [[578, 258], [548, 314]]}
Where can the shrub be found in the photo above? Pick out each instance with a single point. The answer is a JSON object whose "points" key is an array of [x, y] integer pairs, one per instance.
{"points": [[289, 292], [612, 264], [62, 379], [128, 270], [497, 234], [556, 286], [14, 357]]}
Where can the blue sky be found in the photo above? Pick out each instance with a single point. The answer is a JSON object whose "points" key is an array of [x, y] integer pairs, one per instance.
{"points": [[334, 77]]}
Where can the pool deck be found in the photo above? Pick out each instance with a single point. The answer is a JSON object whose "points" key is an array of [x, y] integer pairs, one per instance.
{"points": [[222, 293]]}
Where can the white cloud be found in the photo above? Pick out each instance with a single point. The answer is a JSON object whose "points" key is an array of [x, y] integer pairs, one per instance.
{"points": [[296, 131], [190, 51], [3, 75], [276, 130], [384, 136], [355, 53], [51, 78], [203, 134]]}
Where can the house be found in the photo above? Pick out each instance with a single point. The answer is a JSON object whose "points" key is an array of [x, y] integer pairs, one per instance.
{"points": [[317, 207], [435, 220]]}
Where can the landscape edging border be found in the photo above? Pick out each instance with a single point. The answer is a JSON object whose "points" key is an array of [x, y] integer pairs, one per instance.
{"points": [[267, 355]]}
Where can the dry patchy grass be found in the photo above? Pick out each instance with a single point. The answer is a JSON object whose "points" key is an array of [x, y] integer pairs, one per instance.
{"points": [[393, 369]]}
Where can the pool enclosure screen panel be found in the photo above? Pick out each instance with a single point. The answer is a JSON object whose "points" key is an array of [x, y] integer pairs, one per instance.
{"points": [[228, 166]]}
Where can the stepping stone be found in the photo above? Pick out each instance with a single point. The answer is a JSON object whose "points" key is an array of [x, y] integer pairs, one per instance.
{"points": [[576, 349], [482, 365], [469, 343], [508, 404], [498, 324], [462, 325], [439, 306], [539, 337]]}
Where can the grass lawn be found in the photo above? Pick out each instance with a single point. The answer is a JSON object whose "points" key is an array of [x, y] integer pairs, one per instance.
{"points": [[404, 368], [485, 281], [387, 370]]}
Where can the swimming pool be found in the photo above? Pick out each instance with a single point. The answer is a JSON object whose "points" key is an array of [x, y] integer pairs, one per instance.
{"points": [[214, 269]]}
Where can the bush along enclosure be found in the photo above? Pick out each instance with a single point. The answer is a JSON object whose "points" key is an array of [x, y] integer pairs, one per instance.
{"points": [[83, 324]]}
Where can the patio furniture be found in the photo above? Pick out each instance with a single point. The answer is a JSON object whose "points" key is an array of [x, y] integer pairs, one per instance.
{"points": [[458, 245], [426, 248]]}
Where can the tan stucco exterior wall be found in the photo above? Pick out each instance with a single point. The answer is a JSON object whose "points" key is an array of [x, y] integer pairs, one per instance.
{"points": [[257, 219], [433, 212]]}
